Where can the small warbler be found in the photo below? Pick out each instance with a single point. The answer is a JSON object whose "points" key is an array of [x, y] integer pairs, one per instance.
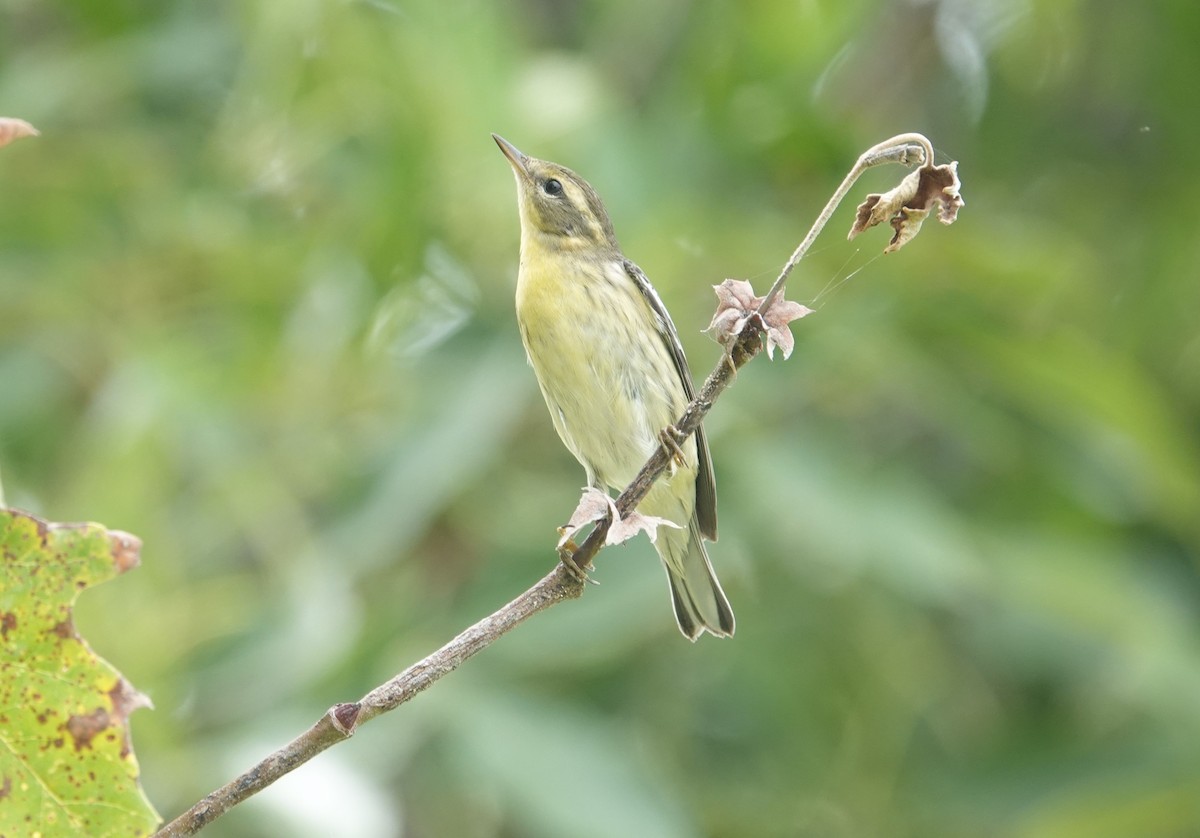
{"points": [[612, 371]]}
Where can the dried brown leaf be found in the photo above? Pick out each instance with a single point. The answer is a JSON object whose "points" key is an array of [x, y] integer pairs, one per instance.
{"points": [[737, 306], [910, 203], [778, 316], [595, 505], [907, 223], [635, 522]]}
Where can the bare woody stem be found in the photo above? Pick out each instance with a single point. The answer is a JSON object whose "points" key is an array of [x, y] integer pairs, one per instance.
{"points": [[898, 149], [342, 720]]}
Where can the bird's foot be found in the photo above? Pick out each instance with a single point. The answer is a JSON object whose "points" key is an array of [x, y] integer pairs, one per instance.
{"points": [[667, 436], [566, 557], [594, 507]]}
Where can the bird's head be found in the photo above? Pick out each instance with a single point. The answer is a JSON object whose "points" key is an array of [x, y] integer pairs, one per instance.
{"points": [[558, 207]]}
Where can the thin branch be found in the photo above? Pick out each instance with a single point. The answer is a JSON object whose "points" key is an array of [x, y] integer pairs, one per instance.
{"points": [[748, 344], [342, 720], [898, 149]]}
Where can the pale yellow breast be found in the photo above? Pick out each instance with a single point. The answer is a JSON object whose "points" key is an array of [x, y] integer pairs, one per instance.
{"points": [[606, 375]]}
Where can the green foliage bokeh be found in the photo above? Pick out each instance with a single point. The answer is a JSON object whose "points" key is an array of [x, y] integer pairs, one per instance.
{"points": [[256, 307]]}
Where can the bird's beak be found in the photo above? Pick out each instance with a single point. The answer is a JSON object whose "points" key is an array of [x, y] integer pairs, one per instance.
{"points": [[516, 159]]}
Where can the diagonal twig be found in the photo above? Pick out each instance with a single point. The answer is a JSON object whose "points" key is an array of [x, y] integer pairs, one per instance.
{"points": [[342, 720]]}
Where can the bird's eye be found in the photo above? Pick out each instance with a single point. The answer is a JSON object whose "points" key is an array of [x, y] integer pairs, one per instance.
{"points": [[552, 187]]}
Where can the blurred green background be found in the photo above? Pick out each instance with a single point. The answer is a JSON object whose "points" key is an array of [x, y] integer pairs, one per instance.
{"points": [[256, 307]]}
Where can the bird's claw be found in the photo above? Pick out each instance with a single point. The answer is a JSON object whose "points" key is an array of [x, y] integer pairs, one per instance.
{"points": [[667, 438], [566, 552], [728, 359]]}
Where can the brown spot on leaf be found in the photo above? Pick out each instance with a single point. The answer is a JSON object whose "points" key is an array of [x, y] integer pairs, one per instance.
{"points": [[6, 787], [126, 550], [64, 629], [83, 729], [8, 622], [125, 699]]}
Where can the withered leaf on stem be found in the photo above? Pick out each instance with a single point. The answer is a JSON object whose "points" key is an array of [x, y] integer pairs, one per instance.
{"points": [[909, 204], [737, 305], [595, 505]]}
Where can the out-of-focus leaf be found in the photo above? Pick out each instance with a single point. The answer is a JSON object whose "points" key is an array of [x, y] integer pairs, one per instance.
{"points": [[14, 129], [67, 765]]}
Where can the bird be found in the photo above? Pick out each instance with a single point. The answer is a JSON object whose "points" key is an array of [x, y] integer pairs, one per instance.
{"points": [[611, 368]]}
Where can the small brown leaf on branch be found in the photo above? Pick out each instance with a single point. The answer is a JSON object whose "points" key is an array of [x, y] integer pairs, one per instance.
{"points": [[737, 306], [635, 522], [595, 505], [14, 129], [909, 204]]}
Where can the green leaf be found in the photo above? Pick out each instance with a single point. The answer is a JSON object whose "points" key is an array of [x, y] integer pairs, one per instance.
{"points": [[66, 764]]}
